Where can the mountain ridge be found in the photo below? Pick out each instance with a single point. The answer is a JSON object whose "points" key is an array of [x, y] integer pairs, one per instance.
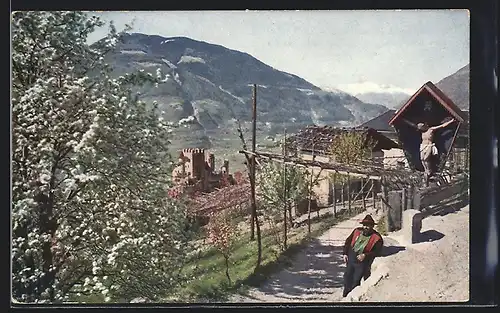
{"points": [[214, 85], [456, 87]]}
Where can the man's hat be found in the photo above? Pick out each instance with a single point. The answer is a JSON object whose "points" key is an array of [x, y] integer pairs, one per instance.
{"points": [[368, 220]]}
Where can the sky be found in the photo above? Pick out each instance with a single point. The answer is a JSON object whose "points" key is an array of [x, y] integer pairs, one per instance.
{"points": [[356, 51]]}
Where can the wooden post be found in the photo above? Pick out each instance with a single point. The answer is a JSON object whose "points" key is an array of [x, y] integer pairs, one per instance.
{"points": [[454, 159], [334, 195], [309, 204], [349, 193], [284, 192], [403, 199], [363, 194], [452, 144], [310, 190], [409, 197], [254, 203], [342, 199], [317, 208], [384, 195], [466, 157], [374, 194], [368, 192]]}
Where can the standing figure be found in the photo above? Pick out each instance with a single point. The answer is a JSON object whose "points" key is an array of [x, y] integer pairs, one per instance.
{"points": [[360, 249], [427, 146]]}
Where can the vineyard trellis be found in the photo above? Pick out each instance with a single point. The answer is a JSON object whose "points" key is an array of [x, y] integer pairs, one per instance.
{"points": [[364, 170], [369, 170], [395, 177], [375, 178]]}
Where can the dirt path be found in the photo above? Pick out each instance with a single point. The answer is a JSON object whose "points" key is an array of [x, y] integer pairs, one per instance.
{"points": [[436, 269], [316, 273]]}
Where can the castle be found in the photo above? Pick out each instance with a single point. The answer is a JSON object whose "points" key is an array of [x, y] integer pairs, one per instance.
{"points": [[197, 167]]}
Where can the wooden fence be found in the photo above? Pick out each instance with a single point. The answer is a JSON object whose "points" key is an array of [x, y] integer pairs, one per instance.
{"points": [[427, 200]]}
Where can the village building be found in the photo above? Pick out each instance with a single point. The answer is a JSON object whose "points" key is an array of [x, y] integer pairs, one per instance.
{"points": [[394, 157]]}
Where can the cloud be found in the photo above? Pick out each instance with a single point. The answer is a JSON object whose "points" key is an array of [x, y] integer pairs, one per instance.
{"points": [[325, 47], [366, 87]]}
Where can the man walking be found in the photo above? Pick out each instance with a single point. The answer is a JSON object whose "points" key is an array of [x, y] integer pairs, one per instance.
{"points": [[360, 249]]}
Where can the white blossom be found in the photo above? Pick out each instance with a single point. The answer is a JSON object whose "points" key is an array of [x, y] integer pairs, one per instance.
{"points": [[84, 153]]}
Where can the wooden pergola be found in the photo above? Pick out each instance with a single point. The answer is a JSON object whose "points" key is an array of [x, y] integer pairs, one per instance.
{"points": [[370, 171]]}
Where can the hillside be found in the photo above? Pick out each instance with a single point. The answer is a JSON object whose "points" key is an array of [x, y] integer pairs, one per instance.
{"points": [[456, 86], [214, 85]]}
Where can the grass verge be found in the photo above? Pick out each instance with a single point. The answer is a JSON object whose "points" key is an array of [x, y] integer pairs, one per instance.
{"points": [[381, 226], [209, 282]]}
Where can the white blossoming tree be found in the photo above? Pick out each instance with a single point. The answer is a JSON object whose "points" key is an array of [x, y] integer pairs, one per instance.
{"points": [[90, 210]]}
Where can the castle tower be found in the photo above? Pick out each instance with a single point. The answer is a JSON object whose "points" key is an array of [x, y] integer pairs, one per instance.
{"points": [[225, 167], [196, 164], [211, 161]]}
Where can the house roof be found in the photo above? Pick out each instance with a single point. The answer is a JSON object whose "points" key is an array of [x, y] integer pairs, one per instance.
{"points": [[321, 137], [381, 122], [438, 95]]}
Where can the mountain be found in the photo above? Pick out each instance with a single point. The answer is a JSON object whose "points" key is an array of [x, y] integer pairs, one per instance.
{"points": [[390, 100], [456, 87], [388, 95], [211, 86]]}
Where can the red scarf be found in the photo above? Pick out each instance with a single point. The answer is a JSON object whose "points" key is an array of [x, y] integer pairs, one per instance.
{"points": [[374, 237]]}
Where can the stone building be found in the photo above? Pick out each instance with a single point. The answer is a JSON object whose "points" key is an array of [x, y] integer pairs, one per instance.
{"points": [[197, 166]]}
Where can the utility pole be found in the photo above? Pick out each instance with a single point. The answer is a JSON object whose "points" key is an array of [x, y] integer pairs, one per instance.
{"points": [[252, 181]]}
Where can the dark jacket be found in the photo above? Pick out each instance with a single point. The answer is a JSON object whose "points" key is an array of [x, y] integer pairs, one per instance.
{"points": [[372, 249]]}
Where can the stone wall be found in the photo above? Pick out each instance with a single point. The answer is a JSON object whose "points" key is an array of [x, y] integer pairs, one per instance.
{"points": [[434, 195], [404, 206]]}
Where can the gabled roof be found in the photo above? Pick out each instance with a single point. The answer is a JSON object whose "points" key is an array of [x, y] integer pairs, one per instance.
{"points": [[322, 137], [438, 95], [381, 122]]}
